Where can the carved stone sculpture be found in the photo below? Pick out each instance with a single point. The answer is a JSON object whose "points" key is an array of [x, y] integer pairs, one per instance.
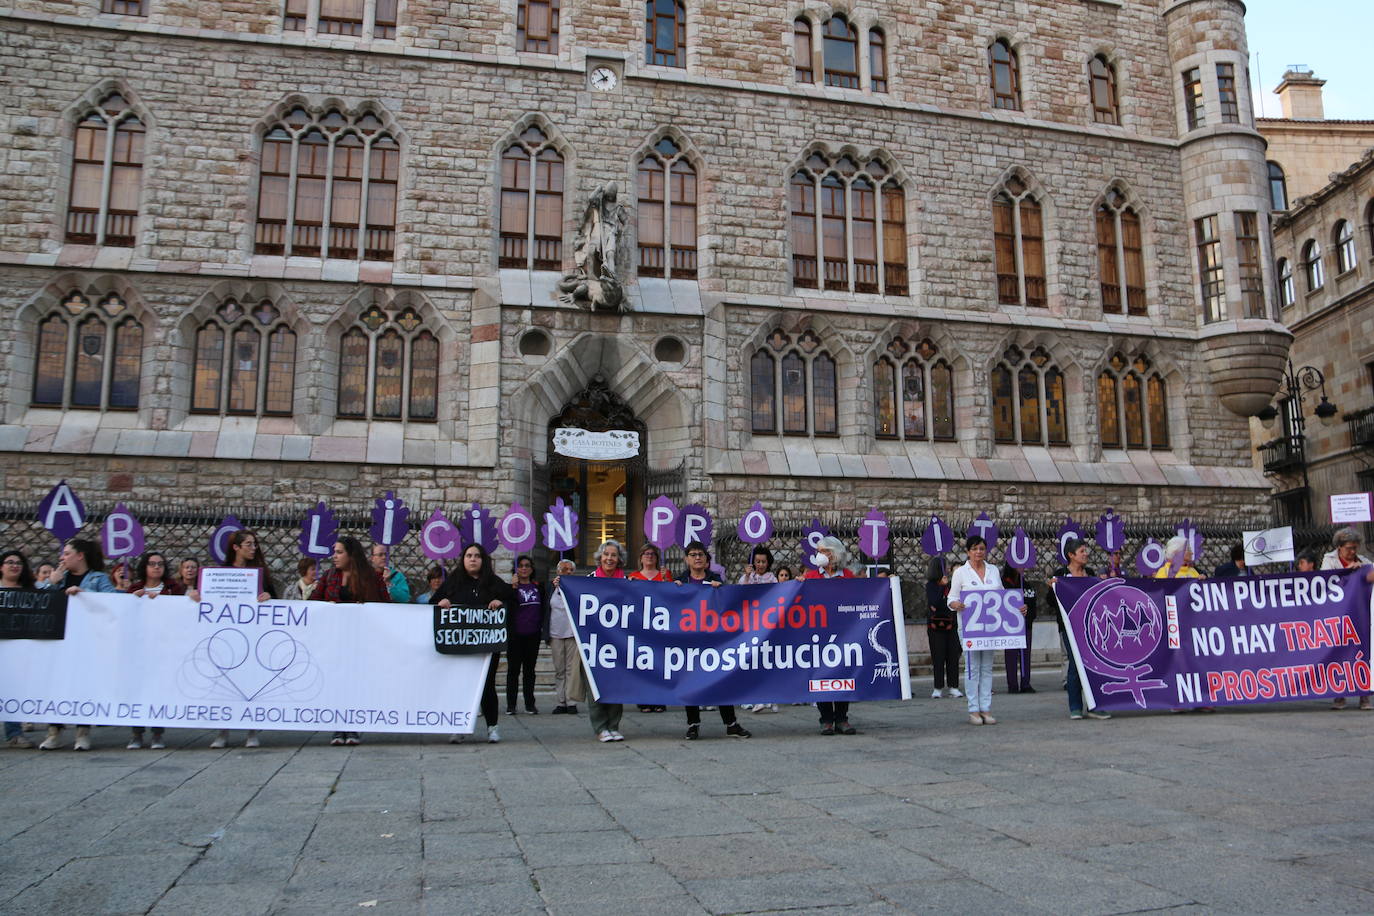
{"points": [[594, 282]]}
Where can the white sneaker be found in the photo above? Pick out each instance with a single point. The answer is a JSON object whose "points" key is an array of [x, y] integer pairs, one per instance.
{"points": [[220, 741], [493, 735], [134, 745], [157, 745], [617, 736], [937, 693], [251, 740], [50, 743], [765, 708], [954, 692], [83, 738], [605, 736]]}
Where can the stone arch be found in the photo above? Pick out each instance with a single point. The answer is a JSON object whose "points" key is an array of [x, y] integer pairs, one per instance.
{"points": [[631, 372]]}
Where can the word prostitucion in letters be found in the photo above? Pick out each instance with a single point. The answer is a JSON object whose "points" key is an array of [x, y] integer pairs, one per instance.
{"points": [[801, 641], [1179, 643], [300, 665]]}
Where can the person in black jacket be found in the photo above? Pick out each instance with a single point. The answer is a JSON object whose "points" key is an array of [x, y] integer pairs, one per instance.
{"points": [[475, 584], [528, 624], [942, 631]]}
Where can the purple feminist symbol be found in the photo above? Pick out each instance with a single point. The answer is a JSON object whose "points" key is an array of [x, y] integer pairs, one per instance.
{"points": [[319, 530], [1190, 532], [439, 538], [985, 528], [561, 527], [873, 532], [1069, 531], [389, 520], [811, 537], [122, 533], [660, 522], [517, 531], [1021, 552], [756, 526], [1117, 628], [1111, 532], [1149, 559], [476, 527], [695, 524], [219, 538], [61, 512], [938, 537]]}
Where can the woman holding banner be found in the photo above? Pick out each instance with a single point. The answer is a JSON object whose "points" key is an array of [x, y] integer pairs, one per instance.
{"points": [[829, 560], [245, 551], [475, 584], [15, 573], [150, 581], [81, 568], [1077, 553], [651, 570], [605, 717], [974, 575], [351, 580], [1345, 554], [699, 572]]}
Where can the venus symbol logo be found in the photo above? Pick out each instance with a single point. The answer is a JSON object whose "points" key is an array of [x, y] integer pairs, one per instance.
{"points": [[1119, 627], [229, 665]]}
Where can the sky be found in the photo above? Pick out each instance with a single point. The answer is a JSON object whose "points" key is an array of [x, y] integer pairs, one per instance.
{"points": [[1332, 37]]}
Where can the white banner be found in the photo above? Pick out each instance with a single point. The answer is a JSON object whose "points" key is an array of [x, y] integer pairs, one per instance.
{"points": [[300, 665], [608, 446], [1272, 545]]}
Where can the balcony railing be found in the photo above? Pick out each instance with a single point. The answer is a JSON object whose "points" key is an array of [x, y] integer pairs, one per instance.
{"points": [[1284, 453], [1361, 426]]}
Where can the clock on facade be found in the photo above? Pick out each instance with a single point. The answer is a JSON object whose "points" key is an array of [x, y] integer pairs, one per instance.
{"points": [[604, 79]]}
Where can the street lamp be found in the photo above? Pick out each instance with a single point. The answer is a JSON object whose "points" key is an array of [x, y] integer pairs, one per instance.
{"points": [[1289, 450]]}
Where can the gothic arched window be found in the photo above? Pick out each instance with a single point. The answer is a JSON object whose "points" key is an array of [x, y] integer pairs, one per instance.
{"points": [[1312, 265], [1278, 187], [245, 362], [531, 203], [1287, 293], [88, 356], [867, 205], [1120, 256], [802, 50], [796, 382], [1102, 89], [388, 367], [667, 213], [1019, 238], [107, 176], [1344, 237], [327, 187], [1028, 399], [913, 393], [877, 60], [840, 51], [1132, 407]]}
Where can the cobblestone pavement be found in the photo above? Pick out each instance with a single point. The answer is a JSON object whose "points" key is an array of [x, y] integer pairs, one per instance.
{"points": [[1259, 811]]}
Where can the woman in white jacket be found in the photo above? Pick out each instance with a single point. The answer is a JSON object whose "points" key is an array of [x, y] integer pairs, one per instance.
{"points": [[976, 574]]}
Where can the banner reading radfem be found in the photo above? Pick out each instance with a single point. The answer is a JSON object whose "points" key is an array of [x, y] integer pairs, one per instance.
{"points": [[1171, 643], [297, 665], [795, 642]]}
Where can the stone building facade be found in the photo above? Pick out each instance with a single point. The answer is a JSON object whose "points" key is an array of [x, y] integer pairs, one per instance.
{"points": [[1305, 147], [1325, 249], [1068, 201]]}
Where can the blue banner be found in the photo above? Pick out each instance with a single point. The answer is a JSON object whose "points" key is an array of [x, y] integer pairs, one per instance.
{"points": [[802, 641]]}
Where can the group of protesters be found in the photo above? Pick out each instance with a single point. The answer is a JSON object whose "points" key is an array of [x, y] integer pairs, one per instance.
{"points": [[538, 614]]}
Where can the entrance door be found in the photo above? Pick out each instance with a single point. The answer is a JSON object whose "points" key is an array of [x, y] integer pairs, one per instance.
{"points": [[607, 495]]}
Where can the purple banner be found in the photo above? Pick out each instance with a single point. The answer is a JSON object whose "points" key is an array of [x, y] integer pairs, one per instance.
{"points": [[1178, 643], [794, 642], [993, 618]]}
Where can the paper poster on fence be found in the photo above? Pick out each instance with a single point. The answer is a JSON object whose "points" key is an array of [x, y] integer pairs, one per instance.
{"points": [[299, 665], [794, 642], [1181, 643]]}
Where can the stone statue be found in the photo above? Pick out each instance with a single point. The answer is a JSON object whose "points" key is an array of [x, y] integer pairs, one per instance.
{"points": [[593, 282]]}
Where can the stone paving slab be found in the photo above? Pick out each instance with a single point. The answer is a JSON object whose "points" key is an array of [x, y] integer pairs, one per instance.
{"points": [[1245, 811]]}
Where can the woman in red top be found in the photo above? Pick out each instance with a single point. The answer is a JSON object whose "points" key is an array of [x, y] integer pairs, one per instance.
{"points": [[150, 581], [829, 562], [352, 580], [651, 570]]}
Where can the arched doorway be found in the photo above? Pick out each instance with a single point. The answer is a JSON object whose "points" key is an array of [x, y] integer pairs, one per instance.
{"points": [[608, 492]]}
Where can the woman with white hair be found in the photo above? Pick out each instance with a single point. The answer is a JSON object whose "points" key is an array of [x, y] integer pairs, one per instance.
{"points": [[1345, 554], [1178, 560], [829, 560]]}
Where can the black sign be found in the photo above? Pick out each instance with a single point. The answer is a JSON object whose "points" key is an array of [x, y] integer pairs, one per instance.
{"points": [[469, 630], [33, 613]]}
